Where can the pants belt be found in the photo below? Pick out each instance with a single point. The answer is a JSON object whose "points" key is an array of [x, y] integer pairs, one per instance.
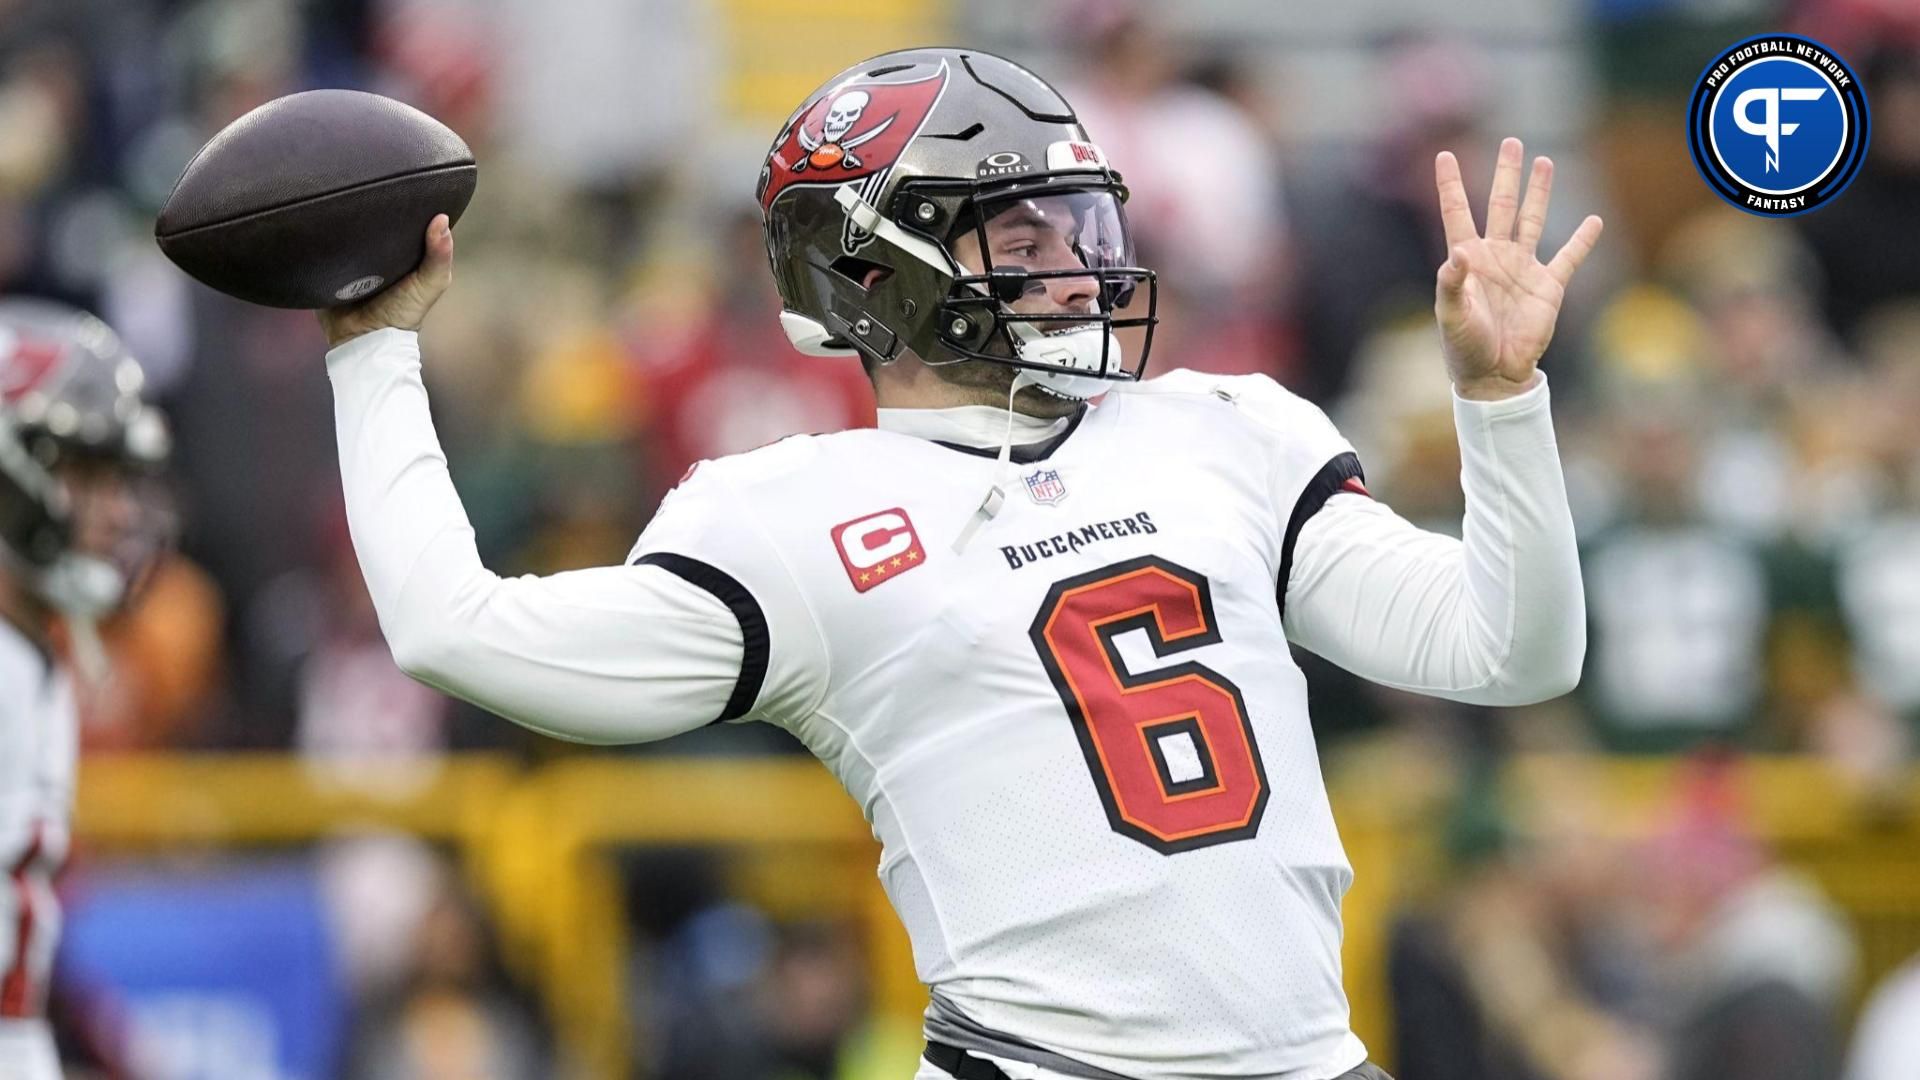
{"points": [[964, 1066]]}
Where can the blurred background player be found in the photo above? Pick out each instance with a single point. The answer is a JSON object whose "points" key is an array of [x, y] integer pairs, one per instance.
{"points": [[80, 525]]}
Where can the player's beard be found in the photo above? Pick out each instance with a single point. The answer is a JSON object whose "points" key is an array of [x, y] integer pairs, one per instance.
{"points": [[988, 383]]}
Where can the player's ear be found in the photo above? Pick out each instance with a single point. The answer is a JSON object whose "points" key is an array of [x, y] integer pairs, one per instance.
{"points": [[862, 272]]}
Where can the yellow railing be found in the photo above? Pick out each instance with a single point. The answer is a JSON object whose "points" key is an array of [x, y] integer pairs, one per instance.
{"points": [[541, 845], [142, 800]]}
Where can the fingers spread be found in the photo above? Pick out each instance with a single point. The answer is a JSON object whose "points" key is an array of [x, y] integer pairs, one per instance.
{"points": [[1505, 199], [1455, 214], [1576, 250], [1533, 211]]}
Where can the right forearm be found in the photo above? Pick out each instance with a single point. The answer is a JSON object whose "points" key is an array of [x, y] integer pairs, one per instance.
{"points": [[610, 654], [400, 500]]}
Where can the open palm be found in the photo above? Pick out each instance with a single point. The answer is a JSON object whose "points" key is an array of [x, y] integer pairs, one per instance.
{"points": [[1495, 300]]}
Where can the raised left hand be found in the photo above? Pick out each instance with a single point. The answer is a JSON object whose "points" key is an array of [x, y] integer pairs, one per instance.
{"points": [[1495, 300]]}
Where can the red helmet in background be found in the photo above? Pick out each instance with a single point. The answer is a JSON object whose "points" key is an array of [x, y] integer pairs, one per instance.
{"points": [[71, 400]]}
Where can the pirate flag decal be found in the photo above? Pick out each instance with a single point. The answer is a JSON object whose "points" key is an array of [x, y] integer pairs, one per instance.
{"points": [[24, 363], [850, 133]]}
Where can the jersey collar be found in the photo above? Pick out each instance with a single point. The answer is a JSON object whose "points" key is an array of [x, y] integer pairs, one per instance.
{"points": [[978, 429]]}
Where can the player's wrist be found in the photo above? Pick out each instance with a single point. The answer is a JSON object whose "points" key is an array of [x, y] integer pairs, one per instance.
{"points": [[339, 331], [1495, 387], [380, 340]]}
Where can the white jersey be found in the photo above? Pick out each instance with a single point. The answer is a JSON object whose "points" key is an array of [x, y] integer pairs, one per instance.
{"points": [[38, 750], [1081, 739]]}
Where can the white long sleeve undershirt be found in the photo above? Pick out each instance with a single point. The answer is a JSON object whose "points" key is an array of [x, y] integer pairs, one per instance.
{"points": [[1496, 617], [636, 653], [607, 655]]}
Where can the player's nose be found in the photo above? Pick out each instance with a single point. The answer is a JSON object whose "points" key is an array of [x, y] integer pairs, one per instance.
{"points": [[107, 514], [1075, 294]]}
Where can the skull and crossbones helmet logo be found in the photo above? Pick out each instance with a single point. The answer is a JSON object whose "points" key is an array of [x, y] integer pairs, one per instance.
{"points": [[836, 142]]}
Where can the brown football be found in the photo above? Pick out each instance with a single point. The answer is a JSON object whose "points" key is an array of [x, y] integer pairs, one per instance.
{"points": [[315, 199]]}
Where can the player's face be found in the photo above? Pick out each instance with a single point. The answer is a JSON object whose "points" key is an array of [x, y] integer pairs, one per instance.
{"points": [[1047, 233], [119, 516], [1062, 233]]}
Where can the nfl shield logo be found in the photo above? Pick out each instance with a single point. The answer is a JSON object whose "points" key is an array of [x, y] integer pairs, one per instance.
{"points": [[1045, 486]]}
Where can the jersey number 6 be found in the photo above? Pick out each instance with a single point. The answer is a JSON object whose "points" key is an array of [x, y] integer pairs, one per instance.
{"points": [[1171, 750]]}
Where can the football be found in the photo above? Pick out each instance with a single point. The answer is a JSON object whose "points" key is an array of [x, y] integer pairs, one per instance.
{"points": [[315, 199]]}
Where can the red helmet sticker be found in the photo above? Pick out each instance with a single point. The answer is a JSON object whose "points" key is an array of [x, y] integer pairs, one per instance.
{"points": [[25, 363], [850, 133]]}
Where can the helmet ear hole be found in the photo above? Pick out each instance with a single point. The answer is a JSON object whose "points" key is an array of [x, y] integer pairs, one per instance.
{"points": [[862, 272]]}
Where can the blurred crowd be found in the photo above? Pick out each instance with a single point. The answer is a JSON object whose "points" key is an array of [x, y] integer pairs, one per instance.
{"points": [[1544, 945], [1735, 399]]}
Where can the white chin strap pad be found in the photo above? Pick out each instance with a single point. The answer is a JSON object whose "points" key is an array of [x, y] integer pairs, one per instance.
{"points": [[82, 586], [1091, 349]]}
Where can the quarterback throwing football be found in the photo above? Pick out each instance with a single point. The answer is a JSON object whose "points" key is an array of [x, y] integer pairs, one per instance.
{"points": [[1042, 641]]}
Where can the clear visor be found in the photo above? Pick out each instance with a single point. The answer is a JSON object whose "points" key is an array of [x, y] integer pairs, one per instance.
{"points": [[1053, 263], [1038, 246]]}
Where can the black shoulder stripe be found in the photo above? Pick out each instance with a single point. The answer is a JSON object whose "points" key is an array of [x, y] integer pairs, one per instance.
{"points": [[1333, 478], [753, 623]]}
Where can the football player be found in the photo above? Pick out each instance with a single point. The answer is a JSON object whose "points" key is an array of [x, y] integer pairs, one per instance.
{"points": [[81, 519], [1042, 641]]}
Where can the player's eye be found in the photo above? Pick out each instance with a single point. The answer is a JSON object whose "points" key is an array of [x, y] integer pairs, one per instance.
{"points": [[1025, 249]]}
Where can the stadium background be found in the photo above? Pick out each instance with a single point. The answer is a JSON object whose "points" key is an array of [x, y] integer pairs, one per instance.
{"points": [[296, 864]]}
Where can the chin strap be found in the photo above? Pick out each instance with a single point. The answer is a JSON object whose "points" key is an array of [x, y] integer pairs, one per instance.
{"points": [[1080, 362], [82, 585], [89, 654], [1003, 468], [867, 219]]}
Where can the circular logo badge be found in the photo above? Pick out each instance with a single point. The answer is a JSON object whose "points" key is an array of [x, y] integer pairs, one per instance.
{"points": [[358, 287], [1778, 125]]}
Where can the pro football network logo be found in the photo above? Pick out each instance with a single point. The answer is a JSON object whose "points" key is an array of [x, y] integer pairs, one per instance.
{"points": [[877, 548], [1778, 125]]}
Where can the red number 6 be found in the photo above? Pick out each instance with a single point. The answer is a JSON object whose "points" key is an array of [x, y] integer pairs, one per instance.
{"points": [[1171, 751]]}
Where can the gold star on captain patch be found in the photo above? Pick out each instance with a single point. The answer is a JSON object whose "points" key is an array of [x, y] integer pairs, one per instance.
{"points": [[881, 569], [913, 555], [896, 562], [864, 578]]}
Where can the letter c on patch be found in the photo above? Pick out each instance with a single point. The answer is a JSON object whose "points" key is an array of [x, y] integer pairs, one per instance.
{"points": [[877, 539]]}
